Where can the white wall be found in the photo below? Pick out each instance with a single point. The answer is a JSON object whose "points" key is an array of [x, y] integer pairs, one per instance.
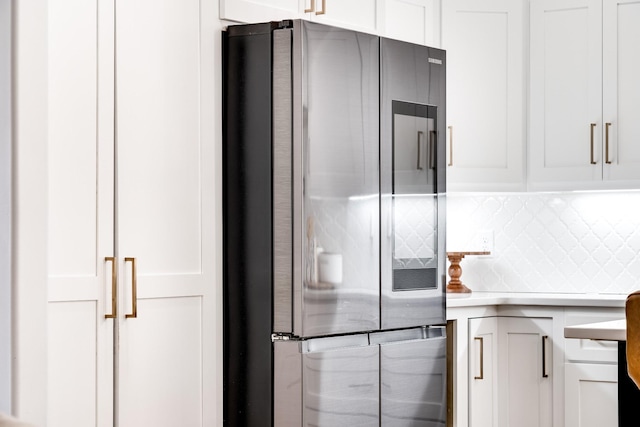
{"points": [[570, 242], [5, 206]]}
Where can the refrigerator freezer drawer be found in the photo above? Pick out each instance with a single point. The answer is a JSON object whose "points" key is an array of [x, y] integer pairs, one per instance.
{"points": [[391, 379], [413, 383], [326, 388]]}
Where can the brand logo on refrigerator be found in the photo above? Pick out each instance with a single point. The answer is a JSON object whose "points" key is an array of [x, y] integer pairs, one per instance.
{"points": [[435, 61]]}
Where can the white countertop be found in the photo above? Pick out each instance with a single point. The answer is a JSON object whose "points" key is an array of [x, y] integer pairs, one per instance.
{"points": [[529, 298], [614, 330]]}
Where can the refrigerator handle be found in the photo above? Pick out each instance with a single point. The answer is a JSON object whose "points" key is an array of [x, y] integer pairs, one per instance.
{"points": [[420, 142]]}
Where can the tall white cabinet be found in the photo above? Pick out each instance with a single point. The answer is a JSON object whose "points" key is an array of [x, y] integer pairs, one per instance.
{"points": [[486, 91], [131, 213], [584, 126]]}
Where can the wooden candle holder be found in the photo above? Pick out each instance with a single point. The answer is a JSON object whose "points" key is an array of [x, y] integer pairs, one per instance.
{"points": [[455, 285]]}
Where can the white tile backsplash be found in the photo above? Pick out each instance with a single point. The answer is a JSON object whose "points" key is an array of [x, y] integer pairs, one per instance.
{"points": [[582, 242]]}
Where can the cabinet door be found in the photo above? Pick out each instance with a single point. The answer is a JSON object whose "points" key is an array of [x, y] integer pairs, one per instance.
{"points": [[415, 21], [165, 225], [483, 372], [252, 11], [566, 127], [591, 395], [80, 213], [525, 372], [486, 92], [621, 103], [360, 15]]}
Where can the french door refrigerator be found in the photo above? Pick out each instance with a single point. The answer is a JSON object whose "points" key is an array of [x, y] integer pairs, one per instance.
{"points": [[333, 216]]}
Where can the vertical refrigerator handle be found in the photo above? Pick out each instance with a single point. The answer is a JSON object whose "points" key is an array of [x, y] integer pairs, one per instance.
{"points": [[420, 143]]}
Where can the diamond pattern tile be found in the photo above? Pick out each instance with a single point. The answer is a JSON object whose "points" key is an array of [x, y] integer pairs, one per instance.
{"points": [[549, 242]]}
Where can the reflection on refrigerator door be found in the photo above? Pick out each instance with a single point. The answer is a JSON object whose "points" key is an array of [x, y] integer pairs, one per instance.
{"points": [[334, 381]]}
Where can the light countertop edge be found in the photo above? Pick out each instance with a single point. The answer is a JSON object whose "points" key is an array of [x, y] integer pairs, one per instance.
{"points": [[614, 330], [476, 299]]}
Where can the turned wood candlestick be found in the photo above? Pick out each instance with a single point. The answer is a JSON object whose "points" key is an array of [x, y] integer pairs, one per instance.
{"points": [[455, 285]]}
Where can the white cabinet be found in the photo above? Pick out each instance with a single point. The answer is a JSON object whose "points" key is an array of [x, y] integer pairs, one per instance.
{"points": [[415, 21], [486, 46], [483, 372], [253, 11], [591, 395], [362, 15], [510, 372], [525, 375], [131, 214], [584, 63], [591, 373]]}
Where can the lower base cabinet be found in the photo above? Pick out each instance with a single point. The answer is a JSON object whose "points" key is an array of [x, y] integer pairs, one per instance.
{"points": [[510, 372], [591, 395]]}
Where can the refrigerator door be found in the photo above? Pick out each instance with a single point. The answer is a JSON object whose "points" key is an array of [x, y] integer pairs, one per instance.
{"points": [[412, 185], [335, 181], [413, 381]]}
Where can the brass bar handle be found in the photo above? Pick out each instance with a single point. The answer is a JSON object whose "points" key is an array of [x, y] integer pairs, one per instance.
{"points": [[134, 289], [450, 146], [420, 165], [324, 8], [544, 356], [312, 7], [593, 125], [606, 138], [481, 376], [114, 287]]}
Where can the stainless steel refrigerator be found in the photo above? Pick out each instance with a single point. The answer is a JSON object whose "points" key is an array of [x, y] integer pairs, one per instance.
{"points": [[334, 219]]}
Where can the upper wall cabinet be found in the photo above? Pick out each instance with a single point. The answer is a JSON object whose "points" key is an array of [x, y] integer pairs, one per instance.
{"points": [[585, 102], [485, 43], [416, 21], [251, 11], [361, 15]]}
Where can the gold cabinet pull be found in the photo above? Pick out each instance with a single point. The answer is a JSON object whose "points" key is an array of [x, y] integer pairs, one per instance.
{"points": [[481, 376], [134, 290], [324, 8], [593, 125], [544, 356], [450, 146], [311, 8], [606, 139], [114, 287]]}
